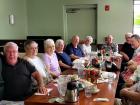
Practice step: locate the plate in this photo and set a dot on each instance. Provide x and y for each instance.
(106, 75)
(95, 91)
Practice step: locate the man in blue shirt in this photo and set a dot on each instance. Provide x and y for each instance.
(73, 49)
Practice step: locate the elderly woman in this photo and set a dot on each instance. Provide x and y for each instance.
(86, 47)
(31, 51)
(63, 58)
(50, 58)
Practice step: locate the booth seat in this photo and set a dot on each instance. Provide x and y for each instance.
(22, 54)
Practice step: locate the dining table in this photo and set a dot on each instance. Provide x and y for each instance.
(107, 90)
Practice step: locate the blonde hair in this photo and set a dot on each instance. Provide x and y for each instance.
(10, 44)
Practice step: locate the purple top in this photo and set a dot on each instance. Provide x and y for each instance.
(52, 63)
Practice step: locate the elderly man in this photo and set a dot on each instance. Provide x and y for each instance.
(17, 75)
(135, 43)
(130, 96)
(1, 81)
(73, 49)
(109, 46)
(127, 50)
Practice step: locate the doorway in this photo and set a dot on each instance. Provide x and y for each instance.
(81, 20)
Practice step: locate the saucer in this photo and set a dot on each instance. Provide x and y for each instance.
(95, 91)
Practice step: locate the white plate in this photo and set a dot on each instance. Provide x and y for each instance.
(106, 75)
(96, 91)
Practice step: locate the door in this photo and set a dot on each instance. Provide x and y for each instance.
(81, 20)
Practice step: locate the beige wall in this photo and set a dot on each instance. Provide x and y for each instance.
(18, 9)
(46, 17)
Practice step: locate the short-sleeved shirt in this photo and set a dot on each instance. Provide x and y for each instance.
(112, 47)
(1, 80)
(17, 78)
(86, 49)
(70, 49)
(136, 88)
(52, 62)
(127, 49)
(65, 58)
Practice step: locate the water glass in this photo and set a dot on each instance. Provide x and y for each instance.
(110, 78)
(88, 91)
(62, 85)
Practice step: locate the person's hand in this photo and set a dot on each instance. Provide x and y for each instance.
(129, 82)
(132, 67)
(125, 56)
(123, 92)
(42, 89)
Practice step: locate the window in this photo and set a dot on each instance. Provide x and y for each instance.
(136, 29)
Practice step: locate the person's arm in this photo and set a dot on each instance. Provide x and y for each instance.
(73, 57)
(39, 79)
(129, 94)
(125, 56)
(50, 72)
(64, 65)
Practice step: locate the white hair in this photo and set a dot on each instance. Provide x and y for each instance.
(58, 42)
(10, 44)
(48, 42)
(128, 34)
(89, 38)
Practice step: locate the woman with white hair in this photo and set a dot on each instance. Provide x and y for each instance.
(86, 47)
(50, 58)
(63, 58)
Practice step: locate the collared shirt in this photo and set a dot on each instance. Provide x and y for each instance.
(136, 52)
(112, 47)
(52, 63)
(70, 49)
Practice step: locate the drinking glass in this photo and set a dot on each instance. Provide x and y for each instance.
(62, 85)
(88, 91)
(110, 78)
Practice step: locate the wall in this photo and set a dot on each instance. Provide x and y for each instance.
(19, 29)
(46, 17)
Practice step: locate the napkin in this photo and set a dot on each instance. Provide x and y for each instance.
(101, 99)
(48, 90)
(56, 99)
(102, 80)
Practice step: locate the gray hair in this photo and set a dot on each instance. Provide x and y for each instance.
(48, 42)
(28, 43)
(58, 42)
(10, 44)
(136, 36)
